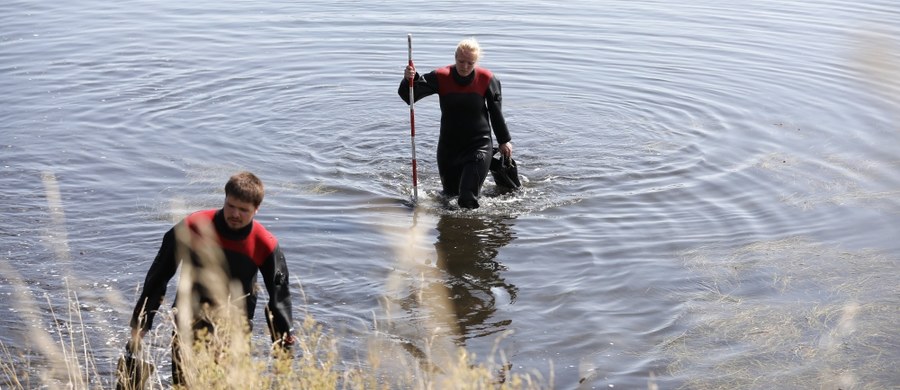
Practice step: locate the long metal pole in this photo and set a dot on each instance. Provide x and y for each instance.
(412, 122)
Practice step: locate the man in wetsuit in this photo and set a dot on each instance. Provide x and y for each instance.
(223, 251)
(470, 106)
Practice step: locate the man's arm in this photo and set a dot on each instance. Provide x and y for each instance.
(154, 290)
(279, 309)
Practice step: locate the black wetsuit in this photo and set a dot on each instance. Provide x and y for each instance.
(470, 108)
(248, 252)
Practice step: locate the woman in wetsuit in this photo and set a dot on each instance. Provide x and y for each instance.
(470, 107)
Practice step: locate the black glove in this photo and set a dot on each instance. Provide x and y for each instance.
(132, 372)
(133, 347)
(128, 376)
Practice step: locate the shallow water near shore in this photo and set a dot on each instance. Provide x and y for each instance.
(711, 191)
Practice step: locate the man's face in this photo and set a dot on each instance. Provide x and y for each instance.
(238, 214)
(465, 62)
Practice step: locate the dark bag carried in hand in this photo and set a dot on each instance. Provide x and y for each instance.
(504, 171)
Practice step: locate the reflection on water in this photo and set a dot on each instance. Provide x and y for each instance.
(437, 300)
(466, 250)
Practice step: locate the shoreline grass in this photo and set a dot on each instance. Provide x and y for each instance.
(229, 360)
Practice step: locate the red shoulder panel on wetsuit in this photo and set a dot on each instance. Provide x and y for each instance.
(257, 246)
(447, 85)
(263, 244)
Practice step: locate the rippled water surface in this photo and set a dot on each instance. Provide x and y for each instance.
(711, 198)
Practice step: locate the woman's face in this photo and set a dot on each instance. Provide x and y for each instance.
(465, 62)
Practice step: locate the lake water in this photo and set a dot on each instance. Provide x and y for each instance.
(711, 198)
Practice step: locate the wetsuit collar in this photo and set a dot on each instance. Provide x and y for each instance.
(460, 79)
(226, 232)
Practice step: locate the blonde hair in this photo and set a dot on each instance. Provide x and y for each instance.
(469, 45)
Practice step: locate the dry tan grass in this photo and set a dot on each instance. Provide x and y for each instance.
(229, 359)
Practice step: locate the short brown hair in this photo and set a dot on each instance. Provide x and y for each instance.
(246, 187)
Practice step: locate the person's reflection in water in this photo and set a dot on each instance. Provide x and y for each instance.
(466, 248)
